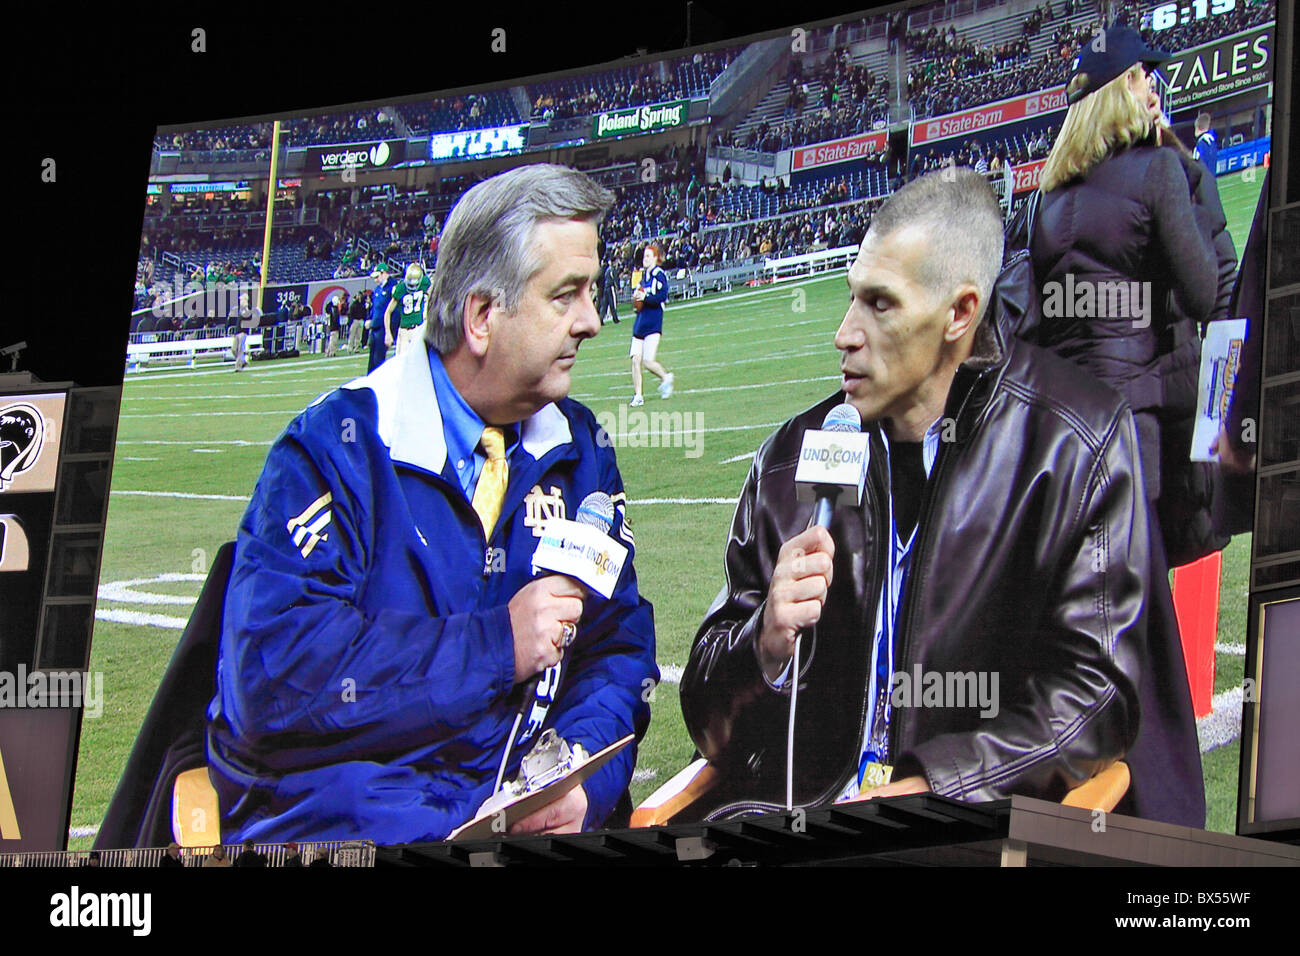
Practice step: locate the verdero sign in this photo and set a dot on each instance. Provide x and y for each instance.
(837, 151)
(984, 117)
(373, 155)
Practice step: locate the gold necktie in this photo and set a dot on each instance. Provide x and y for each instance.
(491, 488)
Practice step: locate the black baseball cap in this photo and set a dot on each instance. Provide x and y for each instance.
(1108, 54)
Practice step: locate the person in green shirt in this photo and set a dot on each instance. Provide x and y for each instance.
(408, 301)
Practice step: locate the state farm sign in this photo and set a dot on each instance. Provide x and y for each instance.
(838, 151)
(984, 117)
(1027, 176)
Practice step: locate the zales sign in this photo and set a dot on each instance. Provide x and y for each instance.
(1215, 70)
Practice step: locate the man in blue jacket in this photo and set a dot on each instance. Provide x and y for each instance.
(382, 620)
(384, 286)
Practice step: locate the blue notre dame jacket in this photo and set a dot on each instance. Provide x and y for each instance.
(365, 683)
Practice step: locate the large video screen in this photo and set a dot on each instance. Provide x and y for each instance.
(544, 562)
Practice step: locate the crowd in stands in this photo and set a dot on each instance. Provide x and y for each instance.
(354, 232)
(626, 87)
(470, 111)
(963, 57)
(231, 137)
(852, 99)
(157, 296)
(807, 232)
(201, 226)
(698, 233)
(341, 128)
(990, 156)
(948, 73)
(719, 246)
(934, 90)
(305, 131)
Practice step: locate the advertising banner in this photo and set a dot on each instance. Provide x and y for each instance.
(985, 117)
(276, 297)
(1219, 69)
(374, 154)
(642, 119)
(838, 150)
(1243, 155)
(319, 293)
(1027, 175)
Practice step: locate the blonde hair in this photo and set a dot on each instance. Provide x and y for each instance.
(1103, 122)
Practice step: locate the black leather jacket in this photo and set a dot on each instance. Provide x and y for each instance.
(1030, 560)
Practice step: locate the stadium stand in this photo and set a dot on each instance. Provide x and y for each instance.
(824, 95)
(683, 78)
(207, 145)
(452, 114)
(342, 127)
(989, 152)
(226, 138)
(698, 226)
(951, 70)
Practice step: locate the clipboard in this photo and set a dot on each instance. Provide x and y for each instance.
(480, 828)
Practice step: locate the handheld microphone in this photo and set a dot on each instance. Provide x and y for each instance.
(833, 462)
(597, 510)
(580, 549)
(832, 470)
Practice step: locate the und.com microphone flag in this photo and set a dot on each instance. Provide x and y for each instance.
(833, 460)
(583, 549)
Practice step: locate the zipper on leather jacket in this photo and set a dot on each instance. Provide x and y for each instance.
(916, 566)
(746, 807)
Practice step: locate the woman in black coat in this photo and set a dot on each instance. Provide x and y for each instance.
(1127, 274)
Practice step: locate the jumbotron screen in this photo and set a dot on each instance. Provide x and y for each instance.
(701, 469)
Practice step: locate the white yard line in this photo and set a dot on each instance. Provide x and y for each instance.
(1223, 724)
(211, 441)
(261, 412)
(683, 501)
(141, 618)
(670, 673)
(181, 494)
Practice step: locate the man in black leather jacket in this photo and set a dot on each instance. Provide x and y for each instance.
(1025, 559)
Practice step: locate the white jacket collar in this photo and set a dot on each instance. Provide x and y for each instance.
(410, 423)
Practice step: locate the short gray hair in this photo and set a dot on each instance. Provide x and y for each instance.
(486, 247)
(962, 220)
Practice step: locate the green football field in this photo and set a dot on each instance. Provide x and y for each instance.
(191, 444)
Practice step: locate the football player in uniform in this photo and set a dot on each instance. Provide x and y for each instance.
(409, 300)
(648, 300)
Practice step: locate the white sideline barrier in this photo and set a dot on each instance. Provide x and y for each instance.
(796, 267)
(177, 348)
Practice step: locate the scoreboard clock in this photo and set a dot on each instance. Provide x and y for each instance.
(1169, 15)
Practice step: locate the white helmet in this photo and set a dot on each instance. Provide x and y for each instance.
(414, 273)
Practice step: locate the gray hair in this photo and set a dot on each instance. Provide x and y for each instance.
(486, 248)
(962, 220)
